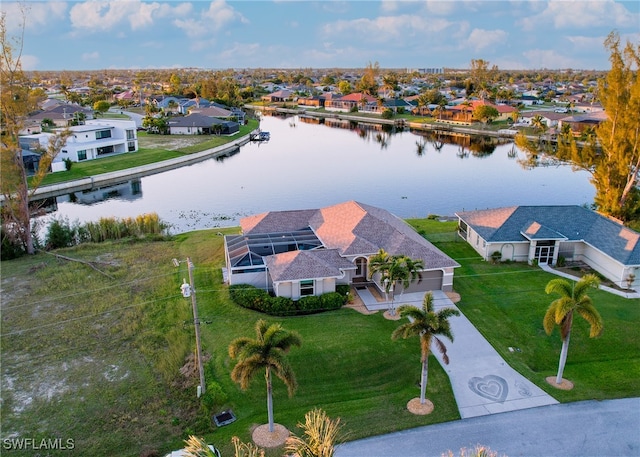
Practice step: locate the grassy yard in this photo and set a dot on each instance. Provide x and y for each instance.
(95, 357)
(153, 148)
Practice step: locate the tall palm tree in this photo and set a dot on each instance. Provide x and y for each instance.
(320, 436)
(268, 352)
(394, 270)
(426, 323)
(573, 298)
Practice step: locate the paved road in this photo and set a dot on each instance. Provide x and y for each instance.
(608, 428)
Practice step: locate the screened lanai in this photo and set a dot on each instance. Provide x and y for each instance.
(246, 251)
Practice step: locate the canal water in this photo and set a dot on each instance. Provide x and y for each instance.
(310, 165)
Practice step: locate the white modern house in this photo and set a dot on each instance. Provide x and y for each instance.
(543, 234)
(96, 138)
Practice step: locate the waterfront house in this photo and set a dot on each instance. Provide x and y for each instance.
(96, 138)
(545, 234)
(357, 100)
(199, 124)
(308, 252)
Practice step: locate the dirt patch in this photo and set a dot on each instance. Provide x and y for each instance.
(564, 385)
(421, 409)
(453, 296)
(392, 316)
(264, 438)
(170, 142)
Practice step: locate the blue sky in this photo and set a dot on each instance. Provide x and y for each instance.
(132, 34)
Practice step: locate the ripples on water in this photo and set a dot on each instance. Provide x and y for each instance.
(307, 165)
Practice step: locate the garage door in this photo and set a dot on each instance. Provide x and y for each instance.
(428, 280)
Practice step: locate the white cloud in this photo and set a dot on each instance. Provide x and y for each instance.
(549, 58)
(389, 6)
(480, 39)
(216, 17)
(95, 55)
(581, 14)
(29, 62)
(385, 28)
(220, 13)
(103, 15)
(37, 14)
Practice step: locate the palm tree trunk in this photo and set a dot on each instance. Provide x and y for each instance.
(269, 399)
(563, 358)
(423, 380)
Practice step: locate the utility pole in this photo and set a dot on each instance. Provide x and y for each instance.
(190, 291)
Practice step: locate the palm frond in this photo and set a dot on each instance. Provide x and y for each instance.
(590, 314)
(443, 350)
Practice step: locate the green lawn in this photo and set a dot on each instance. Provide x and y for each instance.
(156, 152)
(96, 358)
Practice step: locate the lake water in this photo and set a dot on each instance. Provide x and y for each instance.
(306, 165)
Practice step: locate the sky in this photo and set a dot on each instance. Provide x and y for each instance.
(222, 34)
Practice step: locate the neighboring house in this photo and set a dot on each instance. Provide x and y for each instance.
(543, 234)
(550, 118)
(581, 123)
(282, 95)
(357, 100)
(96, 138)
(199, 124)
(395, 104)
(308, 252)
(62, 114)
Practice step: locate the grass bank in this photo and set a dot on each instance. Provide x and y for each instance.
(95, 355)
(153, 149)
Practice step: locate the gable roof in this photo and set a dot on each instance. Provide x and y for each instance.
(314, 264)
(570, 223)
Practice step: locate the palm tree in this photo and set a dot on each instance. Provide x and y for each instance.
(426, 323)
(394, 269)
(267, 351)
(320, 436)
(573, 298)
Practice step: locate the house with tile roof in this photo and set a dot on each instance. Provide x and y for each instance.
(308, 252)
(543, 234)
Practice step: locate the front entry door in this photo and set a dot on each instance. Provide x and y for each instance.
(544, 254)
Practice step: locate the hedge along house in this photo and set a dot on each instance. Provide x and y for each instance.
(308, 252)
(544, 234)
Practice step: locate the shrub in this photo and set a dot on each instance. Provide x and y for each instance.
(68, 164)
(343, 289)
(11, 247)
(387, 113)
(60, 234)
(309, 303)
(332, 300)
(496, 256)
(561, 262)
(251, 297)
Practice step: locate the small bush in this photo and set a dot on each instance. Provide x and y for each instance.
(496, 256)
(309, 303)
(68, 164)
(343, 289)
(11, 247)
(60, 234)
(332, 300)
(387, 114)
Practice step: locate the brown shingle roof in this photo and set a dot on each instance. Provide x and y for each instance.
(298, 265)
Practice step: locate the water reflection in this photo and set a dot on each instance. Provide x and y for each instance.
(308, 164)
